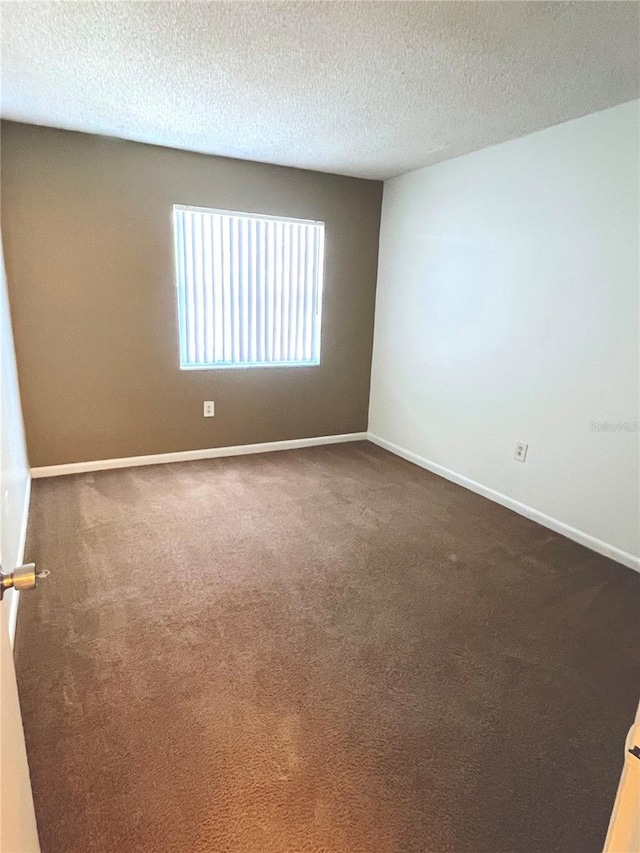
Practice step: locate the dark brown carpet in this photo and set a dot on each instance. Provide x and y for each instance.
(318, 650)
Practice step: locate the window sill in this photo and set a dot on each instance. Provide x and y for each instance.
(245, 364)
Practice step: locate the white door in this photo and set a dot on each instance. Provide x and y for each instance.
(624, 828)
(18, 833)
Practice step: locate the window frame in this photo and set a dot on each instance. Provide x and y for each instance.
(180, 289)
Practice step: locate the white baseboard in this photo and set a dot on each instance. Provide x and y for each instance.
(624, 557)
(614, 553)
(15, 597)
(189, 455)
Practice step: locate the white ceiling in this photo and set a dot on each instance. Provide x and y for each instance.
(370, 89)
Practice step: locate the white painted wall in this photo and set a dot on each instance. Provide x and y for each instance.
(14, 467)
(507, 309)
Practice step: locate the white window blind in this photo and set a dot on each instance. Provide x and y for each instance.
(249, 288)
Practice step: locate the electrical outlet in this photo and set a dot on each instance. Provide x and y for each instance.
(209, 408)
(521, 451)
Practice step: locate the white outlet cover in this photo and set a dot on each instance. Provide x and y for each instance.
(521, 451)
(209, 409)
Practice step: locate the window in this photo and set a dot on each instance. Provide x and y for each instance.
(249, 288)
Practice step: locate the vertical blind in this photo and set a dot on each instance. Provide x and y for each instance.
(249, 288)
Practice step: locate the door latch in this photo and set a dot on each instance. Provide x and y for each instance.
(24, 577)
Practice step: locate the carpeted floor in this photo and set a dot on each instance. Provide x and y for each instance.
(327, 649)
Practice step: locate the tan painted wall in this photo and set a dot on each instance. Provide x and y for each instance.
(86, 223)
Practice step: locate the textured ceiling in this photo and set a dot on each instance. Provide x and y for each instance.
(370, 89)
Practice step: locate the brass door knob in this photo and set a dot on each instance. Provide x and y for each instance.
(24, 577)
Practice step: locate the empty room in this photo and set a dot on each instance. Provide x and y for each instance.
(320, 522)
